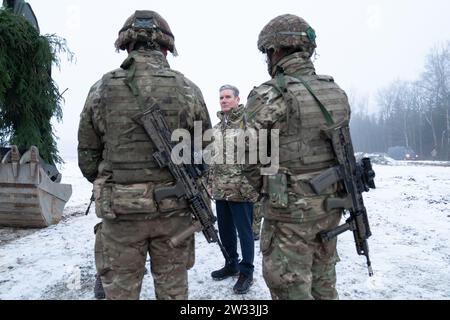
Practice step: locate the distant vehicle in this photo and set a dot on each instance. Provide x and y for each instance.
(402, 153)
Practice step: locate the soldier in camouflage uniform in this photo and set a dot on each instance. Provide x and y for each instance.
(233, 194)
(296, 265)
(116, 155)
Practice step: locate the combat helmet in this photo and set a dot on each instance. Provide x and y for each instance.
(149, 27)
(287, 32)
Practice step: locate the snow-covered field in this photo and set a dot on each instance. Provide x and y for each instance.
(409, 214)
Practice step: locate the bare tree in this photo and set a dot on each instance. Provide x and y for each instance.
(436, 82)
(411, 114)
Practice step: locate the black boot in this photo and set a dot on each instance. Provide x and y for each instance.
(243, 284)
(224, 273)
(99, 292)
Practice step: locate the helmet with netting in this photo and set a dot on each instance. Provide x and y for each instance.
(287, 32)
(146, 27)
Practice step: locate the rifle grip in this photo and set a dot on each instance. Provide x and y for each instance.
(178, 239)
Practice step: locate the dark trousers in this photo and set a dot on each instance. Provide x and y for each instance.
(232, 216)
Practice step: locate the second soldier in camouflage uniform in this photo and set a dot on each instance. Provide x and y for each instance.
(116, 154)
(296, 265)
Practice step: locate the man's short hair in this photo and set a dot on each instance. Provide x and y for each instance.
(230, 87)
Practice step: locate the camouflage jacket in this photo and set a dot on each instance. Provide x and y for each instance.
(114, 150)
(225, 177)
(286, 105)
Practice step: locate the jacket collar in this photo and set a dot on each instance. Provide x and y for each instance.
(152, 57)
(232, 115)
(296, 64)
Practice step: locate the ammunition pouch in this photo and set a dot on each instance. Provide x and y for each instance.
(133, 202)
(102, 193)
(133, 199)
(302, 186)
(277, 190)
(291, 199)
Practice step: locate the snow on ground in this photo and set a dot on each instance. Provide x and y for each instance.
(410, 248)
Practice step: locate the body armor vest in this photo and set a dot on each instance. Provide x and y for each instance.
(128, 148)
(302, 148)
(304, 152)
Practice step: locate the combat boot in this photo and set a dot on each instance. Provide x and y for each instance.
(224, 273)
(99, 292)
(243, 284)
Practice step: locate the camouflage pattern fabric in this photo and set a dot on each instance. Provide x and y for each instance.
(121, 249)
(117, 156)
(160, 33)
(124, 152)
(288, 31)
(257, 217)
(226, 180)
(295, 265)
(90, 146)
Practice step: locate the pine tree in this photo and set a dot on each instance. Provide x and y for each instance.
(29, 98)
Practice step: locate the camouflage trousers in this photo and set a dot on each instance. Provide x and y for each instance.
(296, 266)
(257, 217)
(121, 249)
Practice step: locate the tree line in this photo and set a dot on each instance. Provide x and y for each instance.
(414, 114)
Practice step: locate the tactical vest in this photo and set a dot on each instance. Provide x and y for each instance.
(304, 152)
(128, 148)
(302, 148)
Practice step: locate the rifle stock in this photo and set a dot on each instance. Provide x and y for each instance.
(178, 239)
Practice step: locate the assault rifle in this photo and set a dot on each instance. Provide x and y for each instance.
(187, 179)
(356, 178)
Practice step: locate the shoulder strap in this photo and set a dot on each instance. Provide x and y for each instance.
(324, 110)
(291, 102)
(130, 81)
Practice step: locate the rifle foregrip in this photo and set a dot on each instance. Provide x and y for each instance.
(178, 239)
(327, 236)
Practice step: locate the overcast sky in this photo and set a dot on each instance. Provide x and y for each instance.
(363, 44)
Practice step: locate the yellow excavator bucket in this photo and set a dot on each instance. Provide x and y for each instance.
(28, 197)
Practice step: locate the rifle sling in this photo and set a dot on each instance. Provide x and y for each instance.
(324, 110)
